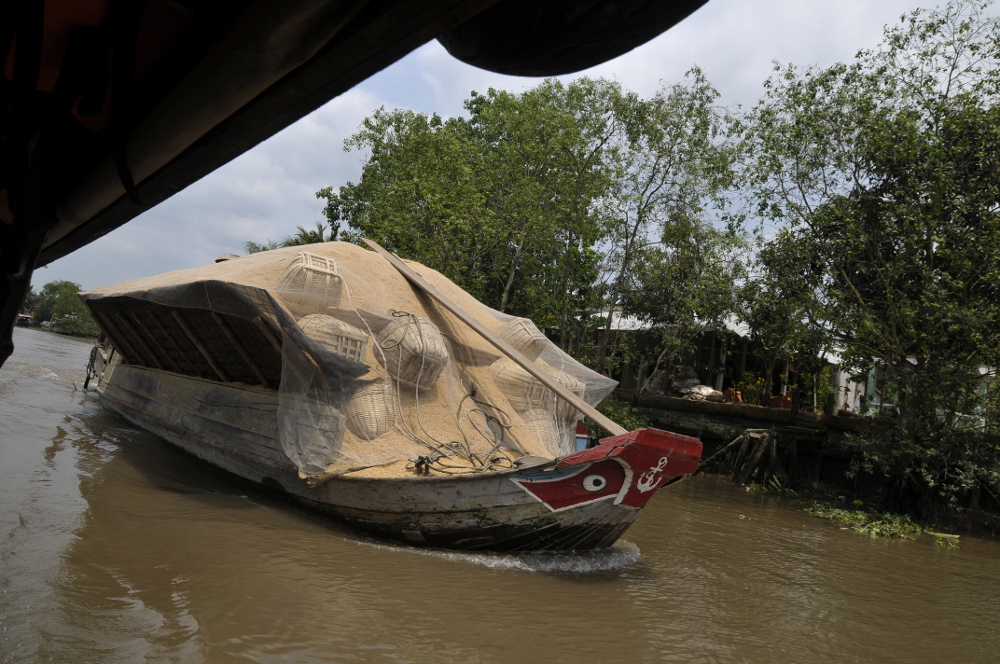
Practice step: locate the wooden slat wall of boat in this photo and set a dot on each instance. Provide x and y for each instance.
(111, 331)
(258, 346)
(172, 348)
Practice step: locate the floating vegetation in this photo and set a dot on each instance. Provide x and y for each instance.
(944, 539)
(878, 525)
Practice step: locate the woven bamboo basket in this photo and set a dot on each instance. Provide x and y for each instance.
(563, 410)
(526, 393)
(310, 284)
(370, 410)
(412, 351)
(540, 422)
(335, 335)
(523, 335)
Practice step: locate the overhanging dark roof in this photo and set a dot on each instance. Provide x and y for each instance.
(108, 107)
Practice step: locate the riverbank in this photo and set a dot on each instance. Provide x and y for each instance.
(807, 450)
(74, 337)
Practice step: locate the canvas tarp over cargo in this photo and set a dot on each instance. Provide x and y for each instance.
(369, 370)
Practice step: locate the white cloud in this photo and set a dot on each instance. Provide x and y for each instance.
(267, 192)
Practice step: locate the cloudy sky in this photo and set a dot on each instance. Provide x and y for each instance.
(267, 192)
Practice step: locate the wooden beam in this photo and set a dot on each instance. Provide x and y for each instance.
(104, 333)
(259, 322)
(118, 339)
(240, 349)
(201, 348)
(142, 342)
(159, 346)
(501, 345)
(173, 342)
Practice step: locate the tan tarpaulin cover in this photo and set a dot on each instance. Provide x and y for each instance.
(337, 414)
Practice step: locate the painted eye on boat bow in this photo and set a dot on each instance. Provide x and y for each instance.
(562, 489)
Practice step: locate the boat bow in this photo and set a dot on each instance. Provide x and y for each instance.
(628, 469)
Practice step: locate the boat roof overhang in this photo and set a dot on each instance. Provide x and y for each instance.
(109, 107)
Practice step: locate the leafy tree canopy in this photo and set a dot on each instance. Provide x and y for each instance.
(883, 179)
(546, 203)
(57, 301)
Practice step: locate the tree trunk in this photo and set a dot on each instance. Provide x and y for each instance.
(768, 381)
(510, 278)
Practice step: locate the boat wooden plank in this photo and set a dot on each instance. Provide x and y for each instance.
(173, 342)
(118, 339)
(504, 527)
(221, 435)
(200, 346)
(147, 352)
(156, 342)
(224, 326)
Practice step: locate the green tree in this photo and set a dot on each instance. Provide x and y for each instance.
(252, 247)
(502, 202)
(667, 262)
(685, 284)
(884, 176)
(418, 195)
(302, 236)
(777, 301)
(57, 301)
(30, 298)
(545, 203)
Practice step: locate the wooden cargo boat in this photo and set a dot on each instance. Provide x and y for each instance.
(212, 377)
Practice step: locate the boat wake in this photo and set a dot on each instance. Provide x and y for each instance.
(622, 555)
(42, 372)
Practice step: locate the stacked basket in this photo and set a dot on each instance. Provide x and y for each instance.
(546, 414)
(310, 284)
(525, 392)
(371, 410)
(523, 335)
(335, 335)
(412, 351)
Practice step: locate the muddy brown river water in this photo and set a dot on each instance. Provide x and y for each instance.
(114, 547)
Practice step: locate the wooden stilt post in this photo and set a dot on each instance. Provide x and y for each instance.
(761, 443)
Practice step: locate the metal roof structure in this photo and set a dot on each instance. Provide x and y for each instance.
(109, 107)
